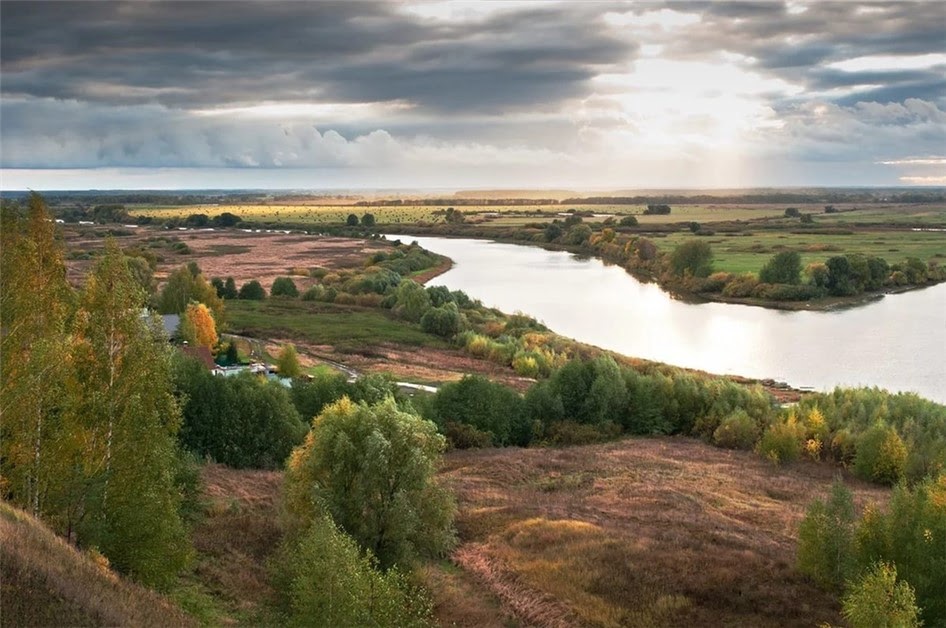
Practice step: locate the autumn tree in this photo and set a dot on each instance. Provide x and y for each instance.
(188, 284)
(371, 468)
(198, 327)
(123, 419)
(35, 303)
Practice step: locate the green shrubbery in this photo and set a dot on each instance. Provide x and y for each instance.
(879, 552)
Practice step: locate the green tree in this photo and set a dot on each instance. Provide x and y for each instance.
(187, 284)
(288, 361)
(412, 301)
(121, 406)
(252, 291)
(911, 534)
(784, 267)
(825, 539)
(628, 221)
(878, 600)
(241, 421)
(284, 287)
(35, 302)
(352, 220)
(881, 455)
(331, 583)
(372, 469)
(485, 405)
(443, 321)
(367, 220)
(693, 257)
(230, 289)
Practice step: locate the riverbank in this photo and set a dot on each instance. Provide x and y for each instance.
(823, 304)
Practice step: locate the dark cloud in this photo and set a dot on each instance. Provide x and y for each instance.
(191, 54)
(796, 46)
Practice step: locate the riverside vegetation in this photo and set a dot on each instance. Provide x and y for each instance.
(118, 472)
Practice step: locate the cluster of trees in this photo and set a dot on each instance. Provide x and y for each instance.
(690, 267)
(657, 210)
(889, 564)
(89, 422)
(367, 220)
(588, 401)
(363, 506)
(241, 421)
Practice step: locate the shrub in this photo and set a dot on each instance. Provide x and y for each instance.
(253, 291)
(570, 433)
(737, 431)
(881, 455)
(444, 321)
(487, 406)
(315, 293)
(284, 287)
(693, 257)
(825, 539)
(784, 267)
(331, 582)
(878, 599)
(782, 441)
(464, 436)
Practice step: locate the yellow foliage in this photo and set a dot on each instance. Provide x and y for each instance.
(199, 328)
(813, 448)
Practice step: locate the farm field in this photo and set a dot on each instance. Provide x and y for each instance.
(748, 251)
(505, 214)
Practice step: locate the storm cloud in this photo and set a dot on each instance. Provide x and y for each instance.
(592, 91)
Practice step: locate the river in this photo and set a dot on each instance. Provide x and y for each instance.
(897, 342)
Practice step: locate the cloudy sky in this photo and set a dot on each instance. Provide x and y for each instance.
(448, 94)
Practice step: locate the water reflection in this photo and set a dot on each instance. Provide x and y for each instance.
(898, 342)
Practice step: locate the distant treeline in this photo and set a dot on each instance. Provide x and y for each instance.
(202, 197)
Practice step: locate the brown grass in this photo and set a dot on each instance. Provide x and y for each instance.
(234, 540)
(243, 256)
(644, 532)
(44, 581)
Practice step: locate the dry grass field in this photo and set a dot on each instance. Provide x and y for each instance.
(643, 532)
(44, 581)
(640, 532)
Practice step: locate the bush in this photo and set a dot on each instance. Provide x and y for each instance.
(693, 257)
(737, 431)
(252, 291)
(878, 599)
(782, 441)
(571, 433)
(825, 539)
(784, 267)
(628, 221)
(463, 436)
(485, 405)
(284, 287)
(881, 455)
(315, 293)
(444, 321)
(741, 286)
(331, 582)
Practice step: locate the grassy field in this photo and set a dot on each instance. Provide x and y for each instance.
(504, 214)
(347, 328)
(642, 532)
(749, 251)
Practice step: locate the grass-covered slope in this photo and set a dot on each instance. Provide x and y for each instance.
(44, 581)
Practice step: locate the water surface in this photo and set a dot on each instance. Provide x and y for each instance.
(898, 342)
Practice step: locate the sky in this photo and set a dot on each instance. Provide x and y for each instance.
(458, 94)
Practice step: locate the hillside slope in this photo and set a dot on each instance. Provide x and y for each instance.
(640, 532)
(44, 581)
